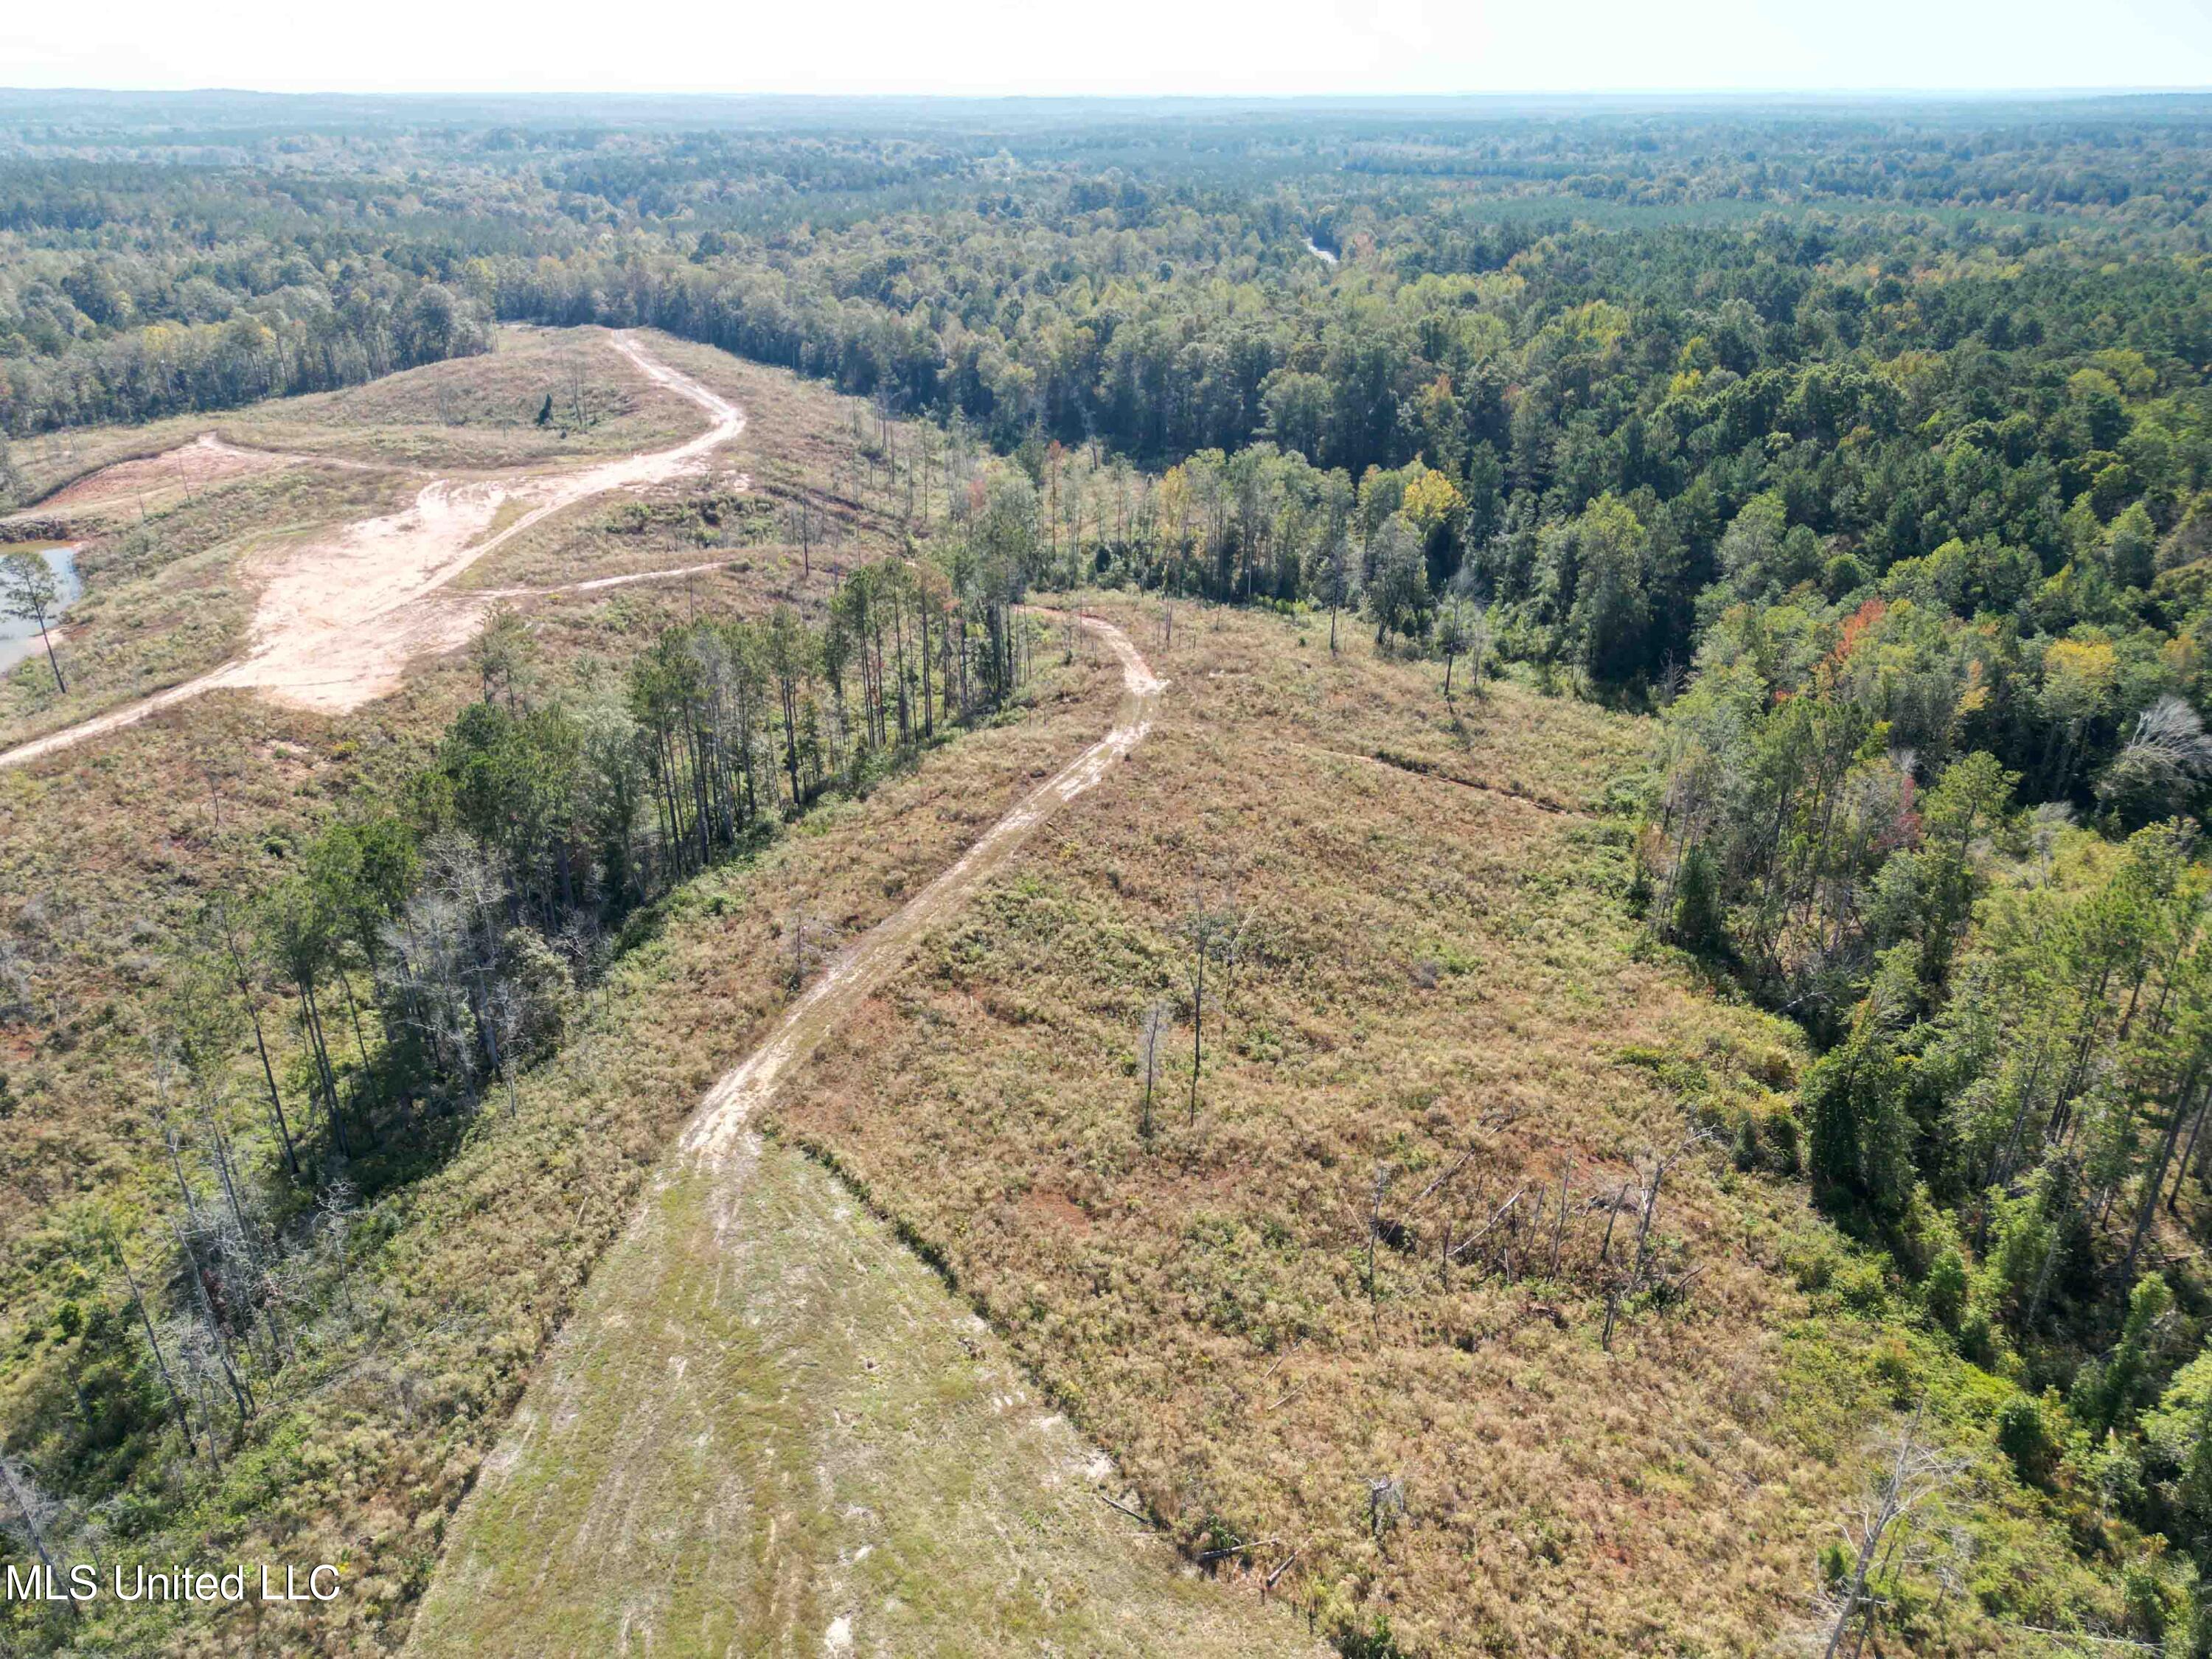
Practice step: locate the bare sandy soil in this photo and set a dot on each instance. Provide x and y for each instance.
(199, 465)
(597, 584)
(340, 617)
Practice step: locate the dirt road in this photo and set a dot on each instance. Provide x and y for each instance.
(856, 972)
(768, 1428)
(341, 617)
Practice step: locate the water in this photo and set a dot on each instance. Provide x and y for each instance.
(19, 639)
(1325, 255)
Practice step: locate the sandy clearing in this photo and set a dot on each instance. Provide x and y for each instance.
(597, 584)
(340, 617)
(205, 461)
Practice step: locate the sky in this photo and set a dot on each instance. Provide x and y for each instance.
(1033, 47)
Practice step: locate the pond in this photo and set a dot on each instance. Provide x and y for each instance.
(19, 639)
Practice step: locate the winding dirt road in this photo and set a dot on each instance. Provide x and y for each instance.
(856, 972)
(761, 1390)
(341, 617)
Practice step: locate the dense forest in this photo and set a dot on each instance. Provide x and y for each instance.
(1867, 449)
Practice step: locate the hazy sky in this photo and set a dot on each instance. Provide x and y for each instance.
(1036, 46)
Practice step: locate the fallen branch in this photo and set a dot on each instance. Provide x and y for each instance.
(1237, 1549)
(1519, 1193)
(1134, 1515)
(1466, 1158)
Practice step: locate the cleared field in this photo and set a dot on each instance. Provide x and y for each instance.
(1438, 982)
(183, 550)
(1435, 977)
(473, 414)
(1347, 1262)
(738, 1332)
(106, 858)
(105, 854)
(340, 611)
(821, 1451)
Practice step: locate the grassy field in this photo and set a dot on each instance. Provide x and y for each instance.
(474, 413)
(1441, 984)
(821, 1446)
(1440, 973)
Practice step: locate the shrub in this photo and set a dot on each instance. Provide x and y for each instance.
(2024, 1435)
(1697, 919)
(1946, 1290)
(2147, 1597)
(1895, 1369)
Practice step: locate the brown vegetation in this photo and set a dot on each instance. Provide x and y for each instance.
(1435, 981)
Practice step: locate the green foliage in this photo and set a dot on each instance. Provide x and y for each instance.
(1697, 921)
(1947, 1288)
(2108, 1394)
(1860, 1146)
(2024, 1434)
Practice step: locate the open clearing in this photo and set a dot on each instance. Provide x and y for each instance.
(768, 1425)
(340, 617)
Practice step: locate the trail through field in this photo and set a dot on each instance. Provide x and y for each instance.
(597, 584)
(768, 1427)
(340, 617)
(855, 975)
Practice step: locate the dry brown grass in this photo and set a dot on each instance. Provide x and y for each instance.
(1429, 954)
(474, 413)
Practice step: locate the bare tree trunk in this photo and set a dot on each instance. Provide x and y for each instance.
(160, 1361)
(26, 1508)
(1374, 1232)
(2156, 1183)
(1560, 1225)
(1197, 1030)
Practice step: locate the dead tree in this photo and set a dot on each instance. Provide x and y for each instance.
(1913, 1474)
(1640, 1259)
(802, 525)
(163, 1059)
(1149, 1044)
(216, 1337)
(161, 1360)
(1385, 1505)
(575, 380)
(35, 1517)
(1560, 1225)
(1205, 929)
(812, 939)
(1374, 1232)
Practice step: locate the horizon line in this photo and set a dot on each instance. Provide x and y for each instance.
(1571, 94)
